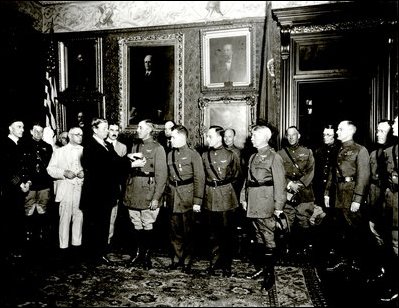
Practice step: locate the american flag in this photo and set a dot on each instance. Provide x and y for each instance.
(50, 86)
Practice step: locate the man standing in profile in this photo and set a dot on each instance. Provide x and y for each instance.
(144, 189)
(220, 204)
(100, 190)
(352, 172)
(263, 196)
(299, 167)
(186, 183)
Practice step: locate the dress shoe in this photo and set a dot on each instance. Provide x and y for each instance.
(389, 295)
(147, 264)
(134, 261)
(255, 275)
(104, 260)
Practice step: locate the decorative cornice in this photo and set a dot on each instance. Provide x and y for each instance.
(343, 26)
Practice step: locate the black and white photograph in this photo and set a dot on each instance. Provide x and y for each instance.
(199, 153)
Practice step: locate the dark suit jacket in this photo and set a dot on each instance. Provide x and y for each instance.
(102, 169)
(11, 173)
(236, 73)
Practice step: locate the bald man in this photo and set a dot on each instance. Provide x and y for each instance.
(263, 196)
(351, 172)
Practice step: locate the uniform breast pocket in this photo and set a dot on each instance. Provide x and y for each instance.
(302, 160)
(262, 168)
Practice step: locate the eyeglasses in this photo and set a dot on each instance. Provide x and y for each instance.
(78, 134)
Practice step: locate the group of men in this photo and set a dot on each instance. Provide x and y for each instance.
(275, 189)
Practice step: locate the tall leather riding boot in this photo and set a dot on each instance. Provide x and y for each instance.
(43, 227)
(268, 270)
(29, 228)
(147, 244)
(258, 261)
(137, 256)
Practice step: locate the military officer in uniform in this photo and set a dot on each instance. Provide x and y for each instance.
(352, 172)
(264, 195)
(221, 169)
(144, 189)
(186, 183)
(390, 216)
(378, 184)
(299, 166)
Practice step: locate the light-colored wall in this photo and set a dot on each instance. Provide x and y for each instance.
(106, 15)
(77, 16)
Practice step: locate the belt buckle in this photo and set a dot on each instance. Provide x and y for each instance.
(348, 179)
(215, 184)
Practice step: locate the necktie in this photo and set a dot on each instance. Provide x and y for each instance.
(109, 146)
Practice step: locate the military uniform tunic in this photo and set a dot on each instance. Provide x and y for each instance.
(352, 173)
(264, 191)
(377, 185)
(184, 164)
(391, 193)
(147, 183)
(221, 169)
(304, 159)
(186, 188)
(220, 197)
(265, 166)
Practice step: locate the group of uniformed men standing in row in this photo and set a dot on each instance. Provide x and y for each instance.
(274, 188)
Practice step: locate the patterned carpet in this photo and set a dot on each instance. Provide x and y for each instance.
(80, 285)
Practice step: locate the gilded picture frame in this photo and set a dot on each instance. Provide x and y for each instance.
(167, 54)
(237, 112)
(228, 59)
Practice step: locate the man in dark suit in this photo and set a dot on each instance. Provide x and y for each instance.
(101, 165)
(147, 103)
(14, 185)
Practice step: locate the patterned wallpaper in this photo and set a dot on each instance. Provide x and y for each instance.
(106, 15)
(192, 74)
(130, 17)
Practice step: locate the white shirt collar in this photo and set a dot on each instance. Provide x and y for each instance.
(99, 140)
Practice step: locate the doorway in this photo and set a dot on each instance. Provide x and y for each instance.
(322, 103)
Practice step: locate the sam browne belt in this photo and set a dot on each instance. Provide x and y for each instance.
(180, 183)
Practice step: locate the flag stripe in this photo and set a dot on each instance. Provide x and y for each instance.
(50, 85)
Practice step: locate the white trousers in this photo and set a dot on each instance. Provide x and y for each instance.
(69, 210)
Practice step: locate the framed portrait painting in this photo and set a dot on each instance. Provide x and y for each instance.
(81, 65)
(236, 112)
(151, 79)
(227, 58)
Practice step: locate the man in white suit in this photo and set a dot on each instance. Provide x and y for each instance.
(121, 150)
(65, 166)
